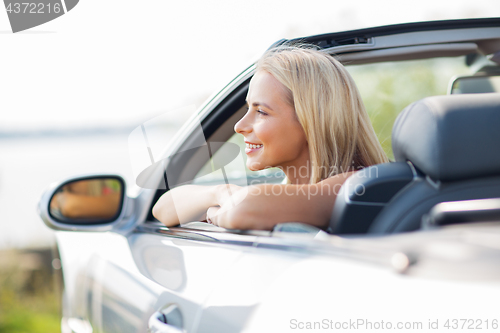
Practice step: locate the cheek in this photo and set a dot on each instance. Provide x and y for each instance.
(283, 140)
(290, 136)
(265, 131)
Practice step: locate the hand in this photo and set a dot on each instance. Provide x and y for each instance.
(224, 195)
(211, 213)
(223, 214)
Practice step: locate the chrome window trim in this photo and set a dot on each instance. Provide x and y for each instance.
(284, 241)
(363, 249)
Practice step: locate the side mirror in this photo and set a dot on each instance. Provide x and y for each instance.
(90, 203)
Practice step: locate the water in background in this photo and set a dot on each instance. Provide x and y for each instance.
(28, 165)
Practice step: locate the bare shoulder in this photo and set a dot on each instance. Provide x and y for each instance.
(337, 179)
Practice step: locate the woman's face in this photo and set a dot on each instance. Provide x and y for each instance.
(273, 134)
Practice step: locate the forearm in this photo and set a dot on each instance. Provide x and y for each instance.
(263, 206)
(184, 204)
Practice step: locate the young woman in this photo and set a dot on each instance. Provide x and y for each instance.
(305, 116)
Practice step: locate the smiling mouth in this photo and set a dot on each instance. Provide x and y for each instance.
(250, 148)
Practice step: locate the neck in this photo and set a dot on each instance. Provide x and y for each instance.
(298, 174)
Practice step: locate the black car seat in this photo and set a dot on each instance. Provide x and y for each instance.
(447, 148)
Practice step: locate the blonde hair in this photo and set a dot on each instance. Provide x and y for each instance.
(329, 107)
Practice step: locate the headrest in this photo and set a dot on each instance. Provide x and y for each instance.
(450, 137)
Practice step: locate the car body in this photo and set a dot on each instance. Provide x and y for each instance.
(129, 273)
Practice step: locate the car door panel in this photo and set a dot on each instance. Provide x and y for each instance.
(128, 278)
(110, 292)
(182, 266)
(238, 294)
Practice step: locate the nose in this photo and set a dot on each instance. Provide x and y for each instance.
(244, 125)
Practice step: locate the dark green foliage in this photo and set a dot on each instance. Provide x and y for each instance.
(387, 88)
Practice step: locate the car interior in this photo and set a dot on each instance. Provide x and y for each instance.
(444, 147)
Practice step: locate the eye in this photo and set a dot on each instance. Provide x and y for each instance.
(262, 112)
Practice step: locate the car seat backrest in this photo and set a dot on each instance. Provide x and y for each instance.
(365, 194)
(450, 138)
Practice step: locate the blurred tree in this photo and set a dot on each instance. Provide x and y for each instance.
(387, 88)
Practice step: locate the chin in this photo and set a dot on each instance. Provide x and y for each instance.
(254, 166)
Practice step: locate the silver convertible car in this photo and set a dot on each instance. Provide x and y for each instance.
(413, 244)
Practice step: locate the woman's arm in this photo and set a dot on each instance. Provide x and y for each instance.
(190, 202)
(264, 206)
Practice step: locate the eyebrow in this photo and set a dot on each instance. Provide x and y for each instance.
(259, 103)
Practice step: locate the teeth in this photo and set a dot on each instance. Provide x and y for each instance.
(251, 146)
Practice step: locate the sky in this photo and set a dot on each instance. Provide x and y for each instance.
(118, 63)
